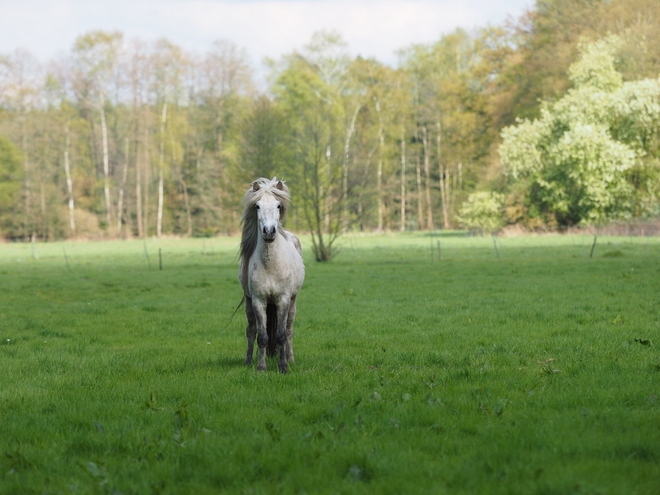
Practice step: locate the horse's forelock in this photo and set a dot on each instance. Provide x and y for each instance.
(274, 187)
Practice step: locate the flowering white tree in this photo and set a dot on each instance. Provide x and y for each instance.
(583, 157)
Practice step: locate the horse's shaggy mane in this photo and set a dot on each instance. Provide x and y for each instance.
(257, 190)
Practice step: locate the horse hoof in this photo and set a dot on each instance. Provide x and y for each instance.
(284, 369)
(261, 368)
(248, 362)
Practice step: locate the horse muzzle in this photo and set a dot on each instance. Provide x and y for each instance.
(269, 234)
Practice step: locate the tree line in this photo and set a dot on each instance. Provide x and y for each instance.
(125, 138)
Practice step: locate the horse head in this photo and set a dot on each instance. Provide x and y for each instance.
(269, 211)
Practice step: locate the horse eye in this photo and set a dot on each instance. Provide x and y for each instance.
(279, 206)
(256, 206)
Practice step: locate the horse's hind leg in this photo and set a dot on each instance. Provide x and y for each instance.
(289, 331)
(250, 330)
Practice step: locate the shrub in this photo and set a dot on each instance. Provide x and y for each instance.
(482, 211)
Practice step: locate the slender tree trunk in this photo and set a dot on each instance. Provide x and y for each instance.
(44, 217)
(403, 182)
(159, 220)
(347, 145)
(138, 188)
(69, 182)
(420, 198)
(137, 114)
(427, 174)
(443, 183)
(147, 175)
(360, 212)
(379, 171)
(106, 162)
(120, 201)
(159, 213)
(29, 229)
(449, 194)
(314, 213)
(327, 199)
(186, 201)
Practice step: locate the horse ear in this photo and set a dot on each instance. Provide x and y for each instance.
(280, 185)
(255, 186)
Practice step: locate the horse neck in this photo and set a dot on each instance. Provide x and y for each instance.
(270, 253)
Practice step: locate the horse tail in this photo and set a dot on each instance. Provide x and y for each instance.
(231, 318)
(271, 329)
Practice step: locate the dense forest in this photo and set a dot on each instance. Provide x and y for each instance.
(547, 121)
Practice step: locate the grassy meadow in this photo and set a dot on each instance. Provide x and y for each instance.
(418, 370)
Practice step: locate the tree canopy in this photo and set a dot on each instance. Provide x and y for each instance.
(578, 157)
(554, 117)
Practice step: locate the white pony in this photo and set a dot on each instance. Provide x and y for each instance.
(271, 272)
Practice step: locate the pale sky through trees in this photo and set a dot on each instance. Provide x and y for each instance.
(265, 28)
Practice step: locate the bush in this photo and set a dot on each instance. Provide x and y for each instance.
(11, 176)
(482, 211)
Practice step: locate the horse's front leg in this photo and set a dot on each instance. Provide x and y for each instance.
(259, 308)
(250, 330)
(283, 307)
(289, 331)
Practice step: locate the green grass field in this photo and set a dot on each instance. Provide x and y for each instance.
(535, 372)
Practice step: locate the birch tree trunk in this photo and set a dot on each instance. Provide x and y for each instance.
(379, 172)
(28, 186)
(159, 216)
(44, 218)
(69, 182)
(347, 145)
(427, 174)
(420, 197)
(146, 173)
(449, 194)
(403, 182)
(159, 221)
(443, 183)
(327, 198)
(138, 189)
(137, 104)
(106, 159)
(120, 201)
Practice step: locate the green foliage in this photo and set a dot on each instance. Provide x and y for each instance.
(448, 84)
(482, 211)
(595, 67)
(367, 146)
(308, 92)
(580, 151)
(534, 373)
(11, 172)
(11, 177)
(95, 56)
(263, 145)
